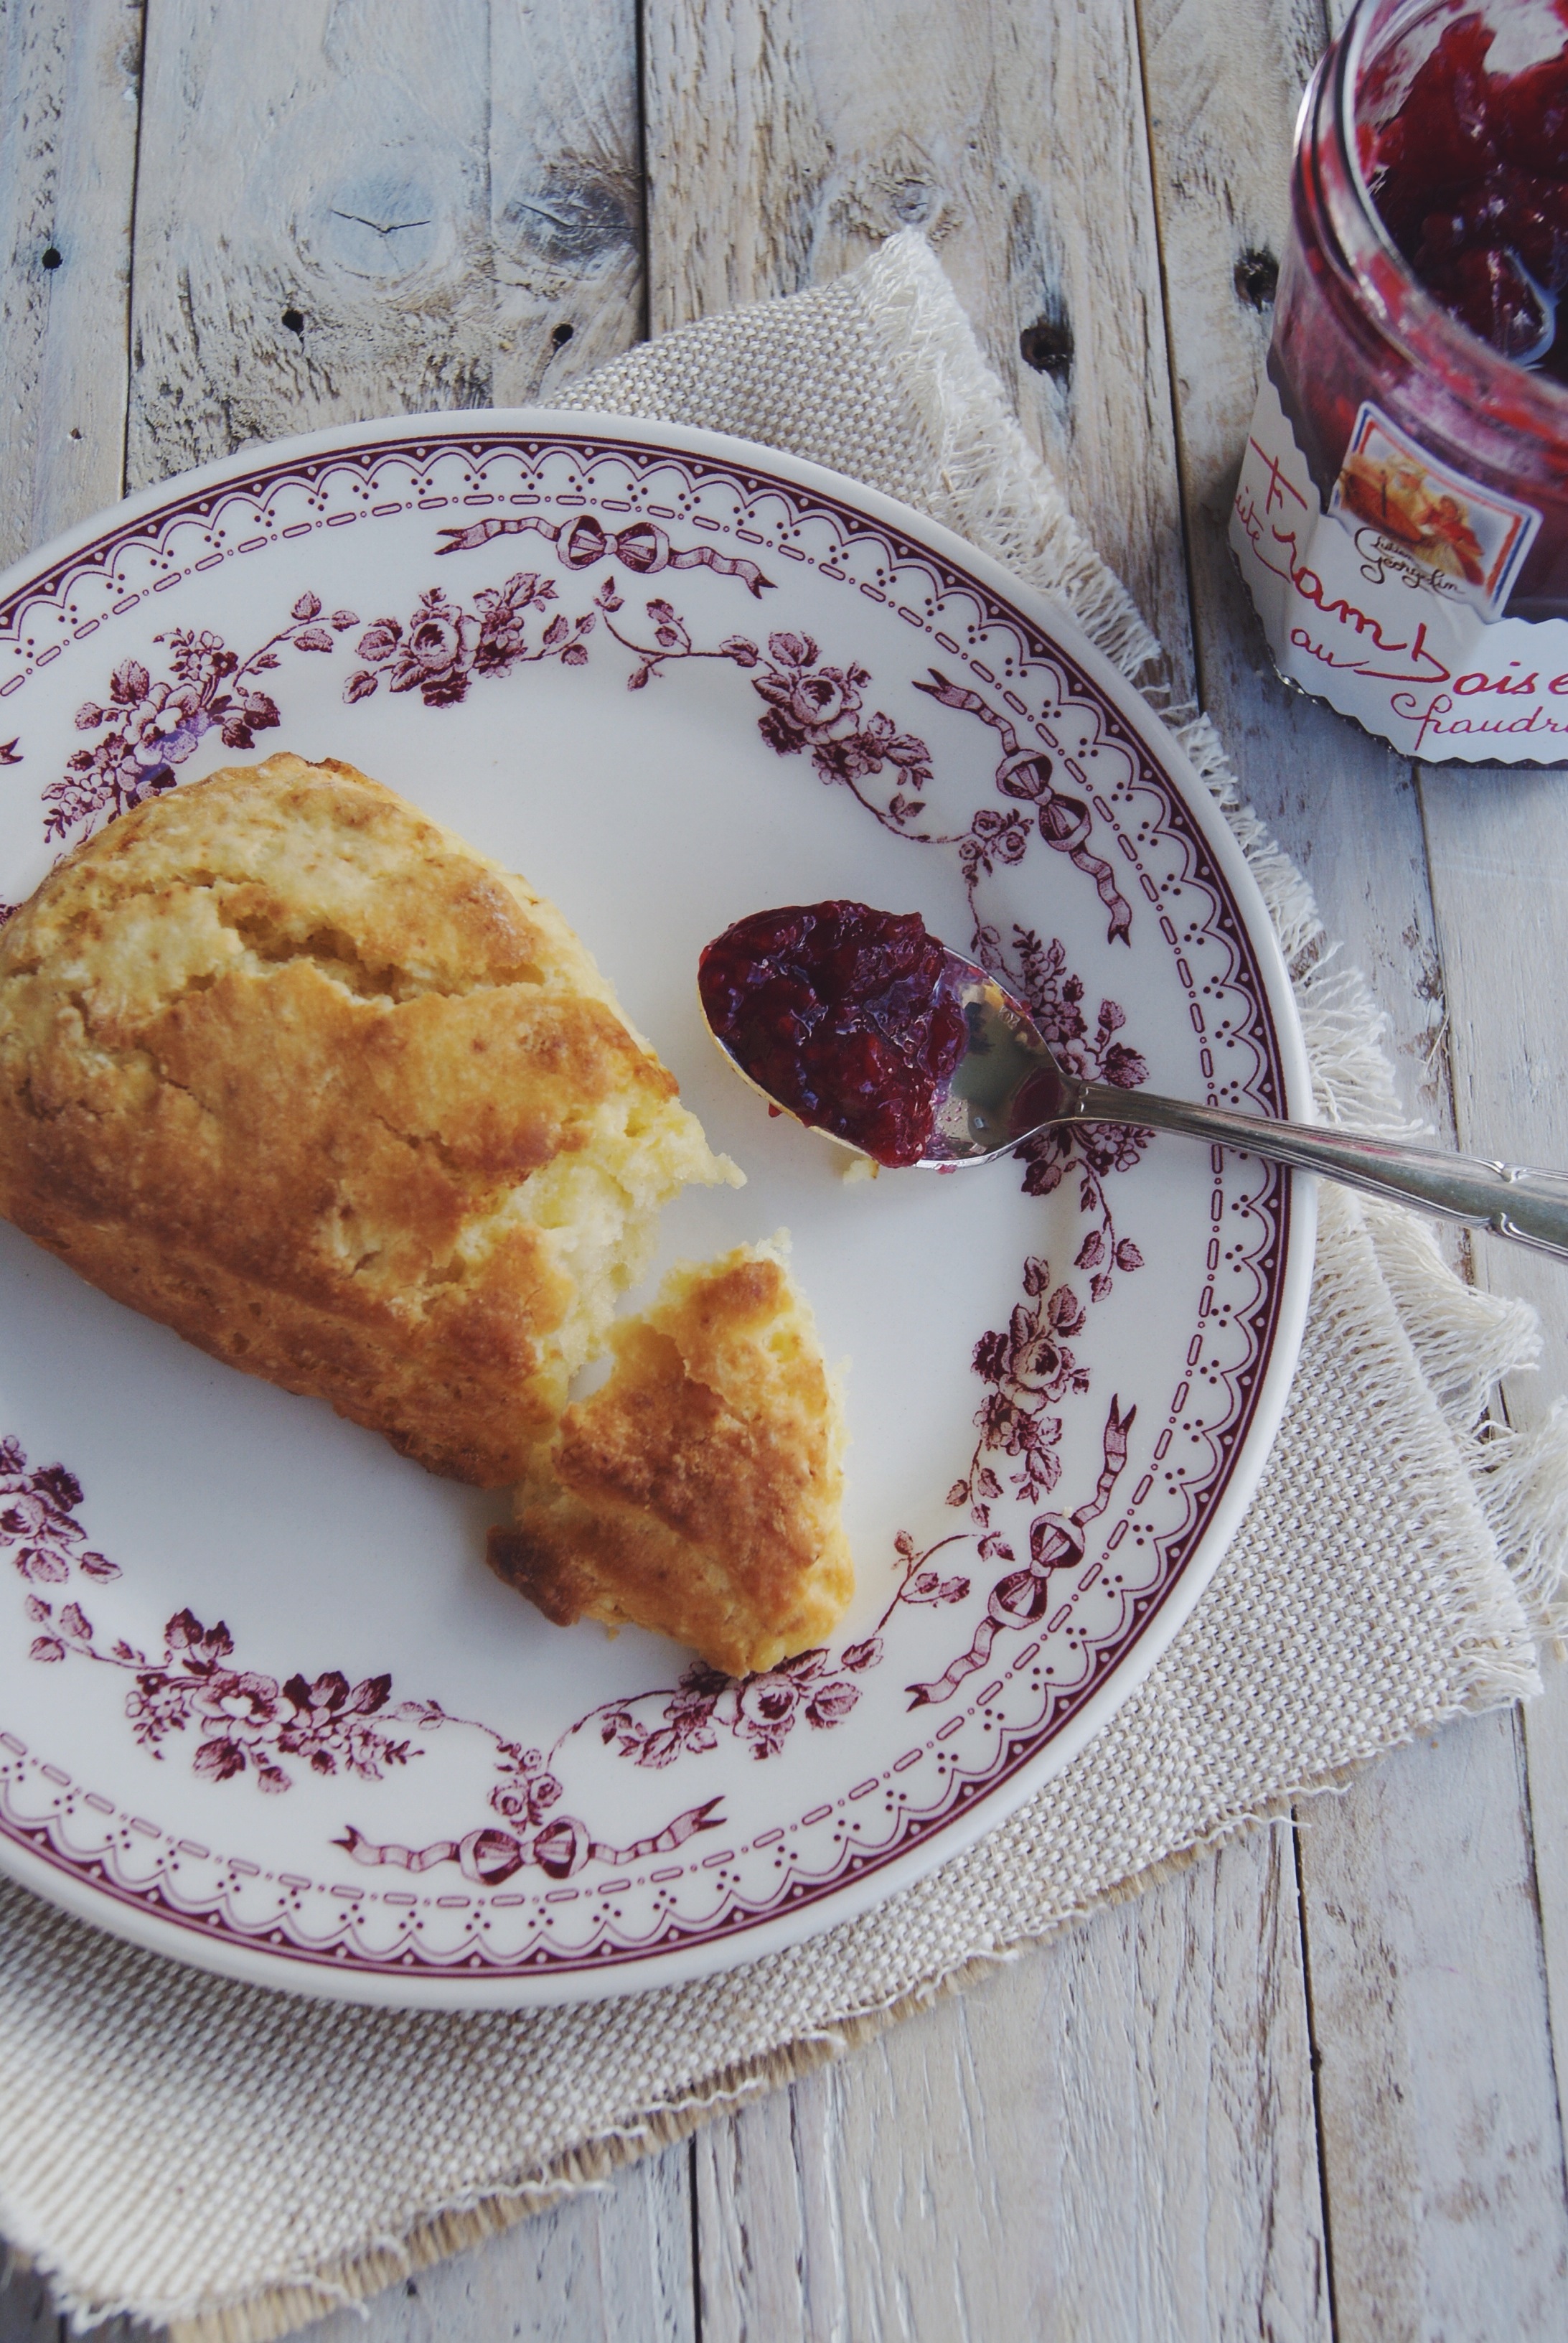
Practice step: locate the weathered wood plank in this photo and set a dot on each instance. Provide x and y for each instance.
(566, 191)
(69, 80)
(26, 2313)
(787, 137)
(1112, 2137)
(1421, 1855)
(1544, 1725)
(436, 194)
(1499, 845)
(1498, 839)
(615, 2262)
(1442, 2140)
(69, 76)
(1223, 87)
(376, 208)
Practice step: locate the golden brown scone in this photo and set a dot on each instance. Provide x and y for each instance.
(698, 1491)
(294, 1070)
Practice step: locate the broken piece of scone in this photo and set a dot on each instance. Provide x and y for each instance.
(698, 1491)
(299, 1074)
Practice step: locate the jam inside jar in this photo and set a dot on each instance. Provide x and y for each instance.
(1469, 174)
(1422, 285)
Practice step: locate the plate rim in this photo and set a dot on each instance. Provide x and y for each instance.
(281, 1972)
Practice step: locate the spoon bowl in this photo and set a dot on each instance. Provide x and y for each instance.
(1006, 1085)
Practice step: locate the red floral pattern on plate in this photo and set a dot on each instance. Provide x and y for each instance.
(816, 704)
(247, 1722)
(146, 728)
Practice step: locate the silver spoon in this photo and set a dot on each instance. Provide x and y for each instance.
(1007, 1086)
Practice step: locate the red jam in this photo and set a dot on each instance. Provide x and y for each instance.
(1470, 178)
(838, 1012)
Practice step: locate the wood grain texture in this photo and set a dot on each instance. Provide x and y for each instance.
(68, 176)
(1110, 2138)
(376, 208)
(782, 143)
(521, 121)
(28, 2316)
(787, 137)
(1442, 2140)
(1498, 841)
(26, 2313)
(69, 76)
(614, 2263)
(1432, 2228)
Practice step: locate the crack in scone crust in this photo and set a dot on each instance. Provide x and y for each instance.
(293, 1070)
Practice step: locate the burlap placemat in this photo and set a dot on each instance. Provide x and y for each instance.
(232, 2162)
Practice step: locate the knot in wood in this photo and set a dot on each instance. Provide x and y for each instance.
(571, 223)
(1047, 345)
(1256, 278)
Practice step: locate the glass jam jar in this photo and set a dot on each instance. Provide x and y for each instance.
(1402, 516)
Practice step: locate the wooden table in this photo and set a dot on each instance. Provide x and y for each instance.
(1307, 2088)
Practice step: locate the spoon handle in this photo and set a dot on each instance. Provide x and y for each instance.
(1530, 1206)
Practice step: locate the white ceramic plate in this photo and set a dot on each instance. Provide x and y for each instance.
(261, 1705)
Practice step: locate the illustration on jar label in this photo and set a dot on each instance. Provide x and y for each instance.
(1470, 541)
(1360, 614)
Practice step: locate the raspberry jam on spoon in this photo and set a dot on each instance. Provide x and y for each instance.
(863, 1026)
(842, 1015)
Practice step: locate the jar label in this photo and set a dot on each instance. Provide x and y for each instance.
(1403, 507)
(1385, 605)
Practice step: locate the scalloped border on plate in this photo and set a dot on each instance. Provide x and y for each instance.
(666, 1908)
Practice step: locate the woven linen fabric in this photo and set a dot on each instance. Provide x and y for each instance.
(232, 2162)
